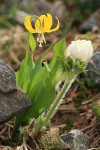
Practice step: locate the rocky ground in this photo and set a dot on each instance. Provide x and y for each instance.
(80, 108)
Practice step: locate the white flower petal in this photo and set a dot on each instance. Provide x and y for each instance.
(80, 49)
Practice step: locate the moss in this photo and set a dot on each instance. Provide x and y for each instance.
(48, 142)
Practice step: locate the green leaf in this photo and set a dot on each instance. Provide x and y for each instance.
(58, 56)
(37, 72)
(59, 50)
(39, 89)
(42, 95)
(32, 42)
(38, 82)
(23, 74)
(19, 74)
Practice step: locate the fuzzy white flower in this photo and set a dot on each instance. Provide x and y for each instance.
(80, 49)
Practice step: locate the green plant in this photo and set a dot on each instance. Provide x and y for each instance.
(83, 87)
(48, 142)
(69, 123)
(96, 109)
(38, 79)
(7, 45)
(4, 23)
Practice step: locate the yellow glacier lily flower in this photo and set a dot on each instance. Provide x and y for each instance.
(42, 25)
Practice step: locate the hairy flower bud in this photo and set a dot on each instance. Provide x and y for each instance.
(80, 49)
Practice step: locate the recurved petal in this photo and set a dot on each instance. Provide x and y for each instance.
(49, 19)
(47, 23)
(57, 27)
(28, 25)
(39, 22)
(42, 24)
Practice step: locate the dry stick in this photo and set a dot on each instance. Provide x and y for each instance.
(8, 124)
(29, 147)
(93, 135)
(60, 126)
(93, 149)
(92, 99)
(90, 126)
(92, 130)
(2, 137)
(67, 109)
(3, 130)
(87, 127)
(97, 139)
(9, 133)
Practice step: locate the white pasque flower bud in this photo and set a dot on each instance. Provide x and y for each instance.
(80, 49)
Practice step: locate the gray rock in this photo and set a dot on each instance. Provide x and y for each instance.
(39, 7)
(20, 16)
(12, 99)
(7, 78)
(92, 21)
(56, 8)
(93, 68)
(12, 104)
(76, 139)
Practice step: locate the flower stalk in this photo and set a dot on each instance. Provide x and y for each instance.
(73, 68)
(41, 122)
(64, 89)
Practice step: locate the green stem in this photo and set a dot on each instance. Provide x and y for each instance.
(44, 121)
(60, 96)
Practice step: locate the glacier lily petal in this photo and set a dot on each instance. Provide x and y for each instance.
(27, 24)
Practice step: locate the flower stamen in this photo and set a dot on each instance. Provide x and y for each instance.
(41, 39)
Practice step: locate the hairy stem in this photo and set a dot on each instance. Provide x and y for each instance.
(65, 87)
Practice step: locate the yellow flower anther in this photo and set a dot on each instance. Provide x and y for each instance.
(42, 25)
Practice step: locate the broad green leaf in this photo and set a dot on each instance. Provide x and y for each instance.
(58, 56)
(42, 95)
(28, 68)
(32, 42)
(45, 97)
(37, 72)
(22, 75)
(39, 87)
(59, 50)
(37, 83)
(37, 76)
